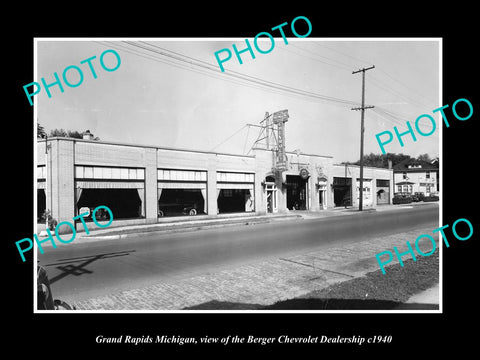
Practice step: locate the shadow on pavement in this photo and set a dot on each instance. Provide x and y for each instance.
(70, 266)
(316, 304)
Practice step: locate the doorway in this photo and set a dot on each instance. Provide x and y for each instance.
(271, 198)
(296, 193)
(322, 197)
(342, 190)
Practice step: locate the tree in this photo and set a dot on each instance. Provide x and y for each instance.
(41, 131)
(58, 133)
(381, 161)
(74, 134)
(424, 157)
(68, 133)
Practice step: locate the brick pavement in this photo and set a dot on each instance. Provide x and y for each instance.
(263, 282)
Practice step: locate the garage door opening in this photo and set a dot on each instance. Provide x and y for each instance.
(296, 193)
(41, 204)
(342, 191)
(124, 203)
(179, 202)
(234, 200)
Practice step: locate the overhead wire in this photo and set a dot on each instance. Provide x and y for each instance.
(407, 87)
(228, 138)
(203, 72)
(376, 82)
(244, 77)
(186, 62)
(341, 53)
(339, 64)
(385, 85)
(393, 118)
(265, 83)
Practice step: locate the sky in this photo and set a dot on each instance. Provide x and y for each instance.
(153, 99)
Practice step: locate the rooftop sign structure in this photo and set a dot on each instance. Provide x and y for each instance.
(272, 137)
(280, 118)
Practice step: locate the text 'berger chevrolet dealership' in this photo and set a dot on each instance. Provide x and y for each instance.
(149, 184)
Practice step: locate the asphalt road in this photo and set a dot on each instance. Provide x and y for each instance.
(92, 269)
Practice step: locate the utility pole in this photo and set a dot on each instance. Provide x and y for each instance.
(362, 129)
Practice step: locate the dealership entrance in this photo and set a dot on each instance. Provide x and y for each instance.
(296, 193)
(322, 192)
(271, 194)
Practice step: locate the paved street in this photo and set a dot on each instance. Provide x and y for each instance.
(216, 261)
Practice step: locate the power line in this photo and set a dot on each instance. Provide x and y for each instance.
(387, 88)
(407, 87)
(381, 70)
(395, 92)
(396, 120)
(340, 65)
(265, 83)
(341, 53)
(231, 136)
(391, 119)
(218, 75)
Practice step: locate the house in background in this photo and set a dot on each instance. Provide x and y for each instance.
(416, 176)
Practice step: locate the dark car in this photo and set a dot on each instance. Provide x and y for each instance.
(101, 214)
(171, 209)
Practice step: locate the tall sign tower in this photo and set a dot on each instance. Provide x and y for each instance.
(272, 137)
(279, 119)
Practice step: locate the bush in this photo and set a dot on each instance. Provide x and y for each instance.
(431, 198)
(401, 199)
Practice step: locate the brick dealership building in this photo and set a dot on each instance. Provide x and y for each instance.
(150, 184)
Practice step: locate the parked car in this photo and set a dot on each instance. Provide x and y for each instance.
(177, 209)
(101, 213)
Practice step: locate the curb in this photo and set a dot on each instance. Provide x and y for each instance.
(175, 227)
(123, 232)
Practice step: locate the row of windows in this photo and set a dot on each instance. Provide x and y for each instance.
(383, 183)
(235, 177)
(427, 175)
(405, 188)
(365, 189)
(181, 175)
(97, 172)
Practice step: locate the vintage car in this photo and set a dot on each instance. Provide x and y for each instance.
(177, 208)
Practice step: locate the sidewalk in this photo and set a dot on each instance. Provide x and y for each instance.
(170, 225)
(205, 222)
(427, 298)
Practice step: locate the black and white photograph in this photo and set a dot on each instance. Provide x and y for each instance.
(222, 178)
(239, 190)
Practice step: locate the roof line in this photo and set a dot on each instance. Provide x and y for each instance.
(142, 146)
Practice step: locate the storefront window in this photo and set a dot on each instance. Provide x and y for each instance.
(235, 192)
